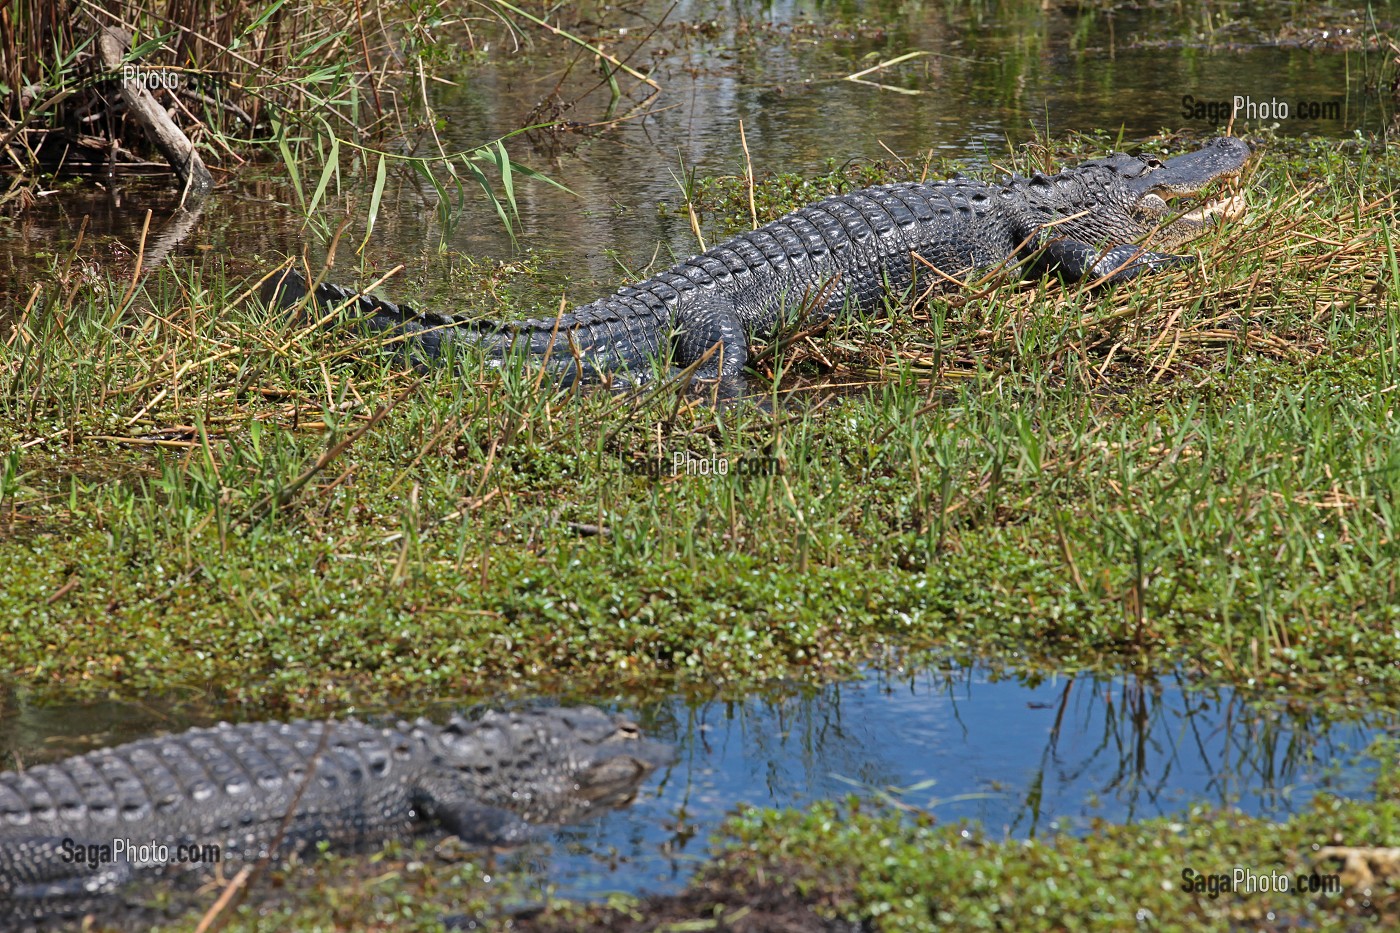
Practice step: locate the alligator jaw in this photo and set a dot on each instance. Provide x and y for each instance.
(1172, 225)
(1175, 190)
(1174, 229)
(1219, 161)
(624, 759)
(614, 782)
(1232, 207)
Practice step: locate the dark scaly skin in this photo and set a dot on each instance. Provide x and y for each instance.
(1105, 220)
(487, 781)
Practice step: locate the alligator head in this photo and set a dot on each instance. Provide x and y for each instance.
(547, 765)
(1155, 183)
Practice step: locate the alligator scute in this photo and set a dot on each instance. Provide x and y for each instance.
(247, 788)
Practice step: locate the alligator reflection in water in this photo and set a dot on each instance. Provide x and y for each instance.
(83, 827)
(1024, 756)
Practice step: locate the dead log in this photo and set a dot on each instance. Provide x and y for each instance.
(173, 144)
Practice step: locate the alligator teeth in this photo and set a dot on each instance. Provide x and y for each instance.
(1231, 208)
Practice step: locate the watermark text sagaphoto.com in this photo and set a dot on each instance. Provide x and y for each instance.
(687, 463)
(1240, 880)
(1242, 107)
(140, 853)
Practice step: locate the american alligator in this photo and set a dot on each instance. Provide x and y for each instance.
(85, 825)
(1104, 221)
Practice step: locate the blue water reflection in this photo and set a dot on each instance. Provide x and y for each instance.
(1022, 757)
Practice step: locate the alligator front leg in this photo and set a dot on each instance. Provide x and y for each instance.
(479, 824)
(1078, 261)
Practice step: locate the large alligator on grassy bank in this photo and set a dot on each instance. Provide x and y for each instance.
(1105, 221)
(238, 793)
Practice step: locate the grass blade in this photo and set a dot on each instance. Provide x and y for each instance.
(380, 174)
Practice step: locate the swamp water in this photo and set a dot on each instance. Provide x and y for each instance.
(1022, 756)
(979, 79)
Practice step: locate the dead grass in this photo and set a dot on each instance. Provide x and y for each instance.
(1277, 284)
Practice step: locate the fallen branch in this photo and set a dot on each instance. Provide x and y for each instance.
(172, 142)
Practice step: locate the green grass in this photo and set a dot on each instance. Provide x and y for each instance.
(1197, 471)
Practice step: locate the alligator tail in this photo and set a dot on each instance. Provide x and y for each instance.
(590, 344)
(428, 334)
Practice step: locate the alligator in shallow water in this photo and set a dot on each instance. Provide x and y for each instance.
(85, 825)
(1104, 221)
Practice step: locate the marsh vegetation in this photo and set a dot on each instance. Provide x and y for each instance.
(203, 499)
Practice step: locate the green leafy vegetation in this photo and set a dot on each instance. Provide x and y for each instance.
(1201, 471)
